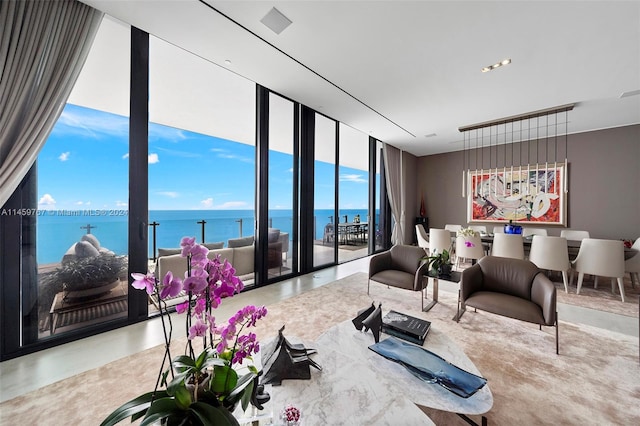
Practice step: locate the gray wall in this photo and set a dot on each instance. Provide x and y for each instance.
(604, 184)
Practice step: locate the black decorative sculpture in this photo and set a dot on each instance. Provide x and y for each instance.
(371, 319)
(362, 315)
(283, 360)
(258, 396)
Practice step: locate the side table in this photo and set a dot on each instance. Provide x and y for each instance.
(454, 277)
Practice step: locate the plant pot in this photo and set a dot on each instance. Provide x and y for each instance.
(445, 270)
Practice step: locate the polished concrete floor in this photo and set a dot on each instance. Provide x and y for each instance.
(21, 375)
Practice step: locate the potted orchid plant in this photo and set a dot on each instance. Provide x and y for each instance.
(204, 387)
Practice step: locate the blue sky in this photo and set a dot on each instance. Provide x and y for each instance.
(84, 165)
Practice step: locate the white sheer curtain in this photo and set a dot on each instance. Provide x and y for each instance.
(395, 190)
(43, 46)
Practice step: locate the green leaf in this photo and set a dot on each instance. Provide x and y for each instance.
(178, 381)
(212, 416)
(242, 390)
(224, 379)
(201, 359)
(246, 396)
(183, 397)
(160, 409)
(183, 362)
(132, 408)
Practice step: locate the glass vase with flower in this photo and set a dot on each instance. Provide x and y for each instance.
(204, 387)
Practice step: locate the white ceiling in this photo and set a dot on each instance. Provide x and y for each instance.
(400, 70)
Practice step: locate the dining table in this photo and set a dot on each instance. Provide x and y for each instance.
(352, 232)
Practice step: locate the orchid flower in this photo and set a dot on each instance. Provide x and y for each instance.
(171, 286)
(144, 282)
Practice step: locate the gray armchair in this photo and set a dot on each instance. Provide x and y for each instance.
(402, 267)
(513, 288)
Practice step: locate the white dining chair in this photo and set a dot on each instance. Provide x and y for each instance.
(551, 254)
(453, 228)
(468, 248)
(527, 232)
(574, 234)
(422, 237)
(632, 265)
(439, 239)
(508, 245)
(603, 258)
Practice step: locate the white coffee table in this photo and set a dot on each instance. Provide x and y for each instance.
(356, 381)
(345, 392)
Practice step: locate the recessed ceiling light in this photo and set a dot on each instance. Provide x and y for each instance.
(276, 21)
(496, 65)
(430, 135)
(227, 62)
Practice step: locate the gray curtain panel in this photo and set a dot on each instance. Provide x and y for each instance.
(394, 182)
(43, 46)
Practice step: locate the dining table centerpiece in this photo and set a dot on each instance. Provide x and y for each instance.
(202, 386)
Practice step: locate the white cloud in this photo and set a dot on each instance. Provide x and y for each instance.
(236, 157)
(153, 158)
(352, 178)
(208, 203)
(92, 123)
(170, 194)
(47, 200)
(125, 156)
(166, 133)
(122, 204)
(64, 156)
(79, 203)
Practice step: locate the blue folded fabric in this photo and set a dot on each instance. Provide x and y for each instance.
(430, 367)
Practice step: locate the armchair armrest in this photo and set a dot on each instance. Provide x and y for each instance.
(419, 276)
(543, 294)
(379, 262)
(470, 281)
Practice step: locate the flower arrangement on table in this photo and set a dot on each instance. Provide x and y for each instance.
(466, 232)
(202, 389)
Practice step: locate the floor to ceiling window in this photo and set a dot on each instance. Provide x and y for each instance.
(201, 154)
(280, 259)
(353, 194)
(324, 191)
(82, 192)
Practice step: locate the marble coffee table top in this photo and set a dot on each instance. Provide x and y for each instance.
(357, 386)
(345, 392)
(354, 344)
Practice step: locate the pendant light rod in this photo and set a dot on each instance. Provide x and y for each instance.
(525, 116)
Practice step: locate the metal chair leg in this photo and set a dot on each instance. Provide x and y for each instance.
(557, 341)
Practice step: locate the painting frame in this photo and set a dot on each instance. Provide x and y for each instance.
(531, 194)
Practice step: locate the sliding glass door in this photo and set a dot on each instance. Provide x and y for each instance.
(82, 195)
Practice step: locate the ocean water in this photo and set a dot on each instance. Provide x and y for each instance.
(58, 230)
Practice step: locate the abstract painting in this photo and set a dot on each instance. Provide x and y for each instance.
(523, 194)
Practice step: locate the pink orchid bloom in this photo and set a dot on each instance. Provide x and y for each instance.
(171, 286)
(144, 282)
(198, 329)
